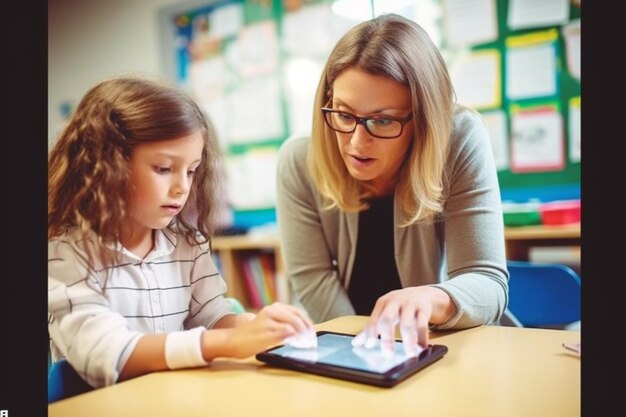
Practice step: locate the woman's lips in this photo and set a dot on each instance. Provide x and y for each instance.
(361, 161)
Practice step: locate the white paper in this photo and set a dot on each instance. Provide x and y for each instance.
(305, 31)
(469, 22)
(254, 111)
(251, 179)
(312, 30)
(496, 124)
(257, 49)
(217, 113)
(537, 141)
(476, 79)
(531, 71)
(226, 20)
(574, 130)
(206, 77)
(571, 34)
(524, 14)
(301, 78)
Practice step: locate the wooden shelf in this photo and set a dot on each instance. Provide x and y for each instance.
(245, 242)
(571, 231)
(520, 239)
(233, 252)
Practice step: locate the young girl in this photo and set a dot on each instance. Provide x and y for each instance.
(132, 287)
(391, 208)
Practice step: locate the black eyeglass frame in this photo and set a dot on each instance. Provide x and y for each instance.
(363, 121)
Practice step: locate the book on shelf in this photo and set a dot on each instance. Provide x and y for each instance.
(269, 275)
(260, 280)
(252, 288)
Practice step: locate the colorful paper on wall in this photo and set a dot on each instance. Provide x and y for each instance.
(574, 130)
(531, 65)
(477, 80)
(537, 141)
(496, 124)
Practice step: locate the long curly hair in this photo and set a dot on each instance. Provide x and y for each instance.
(88, 166)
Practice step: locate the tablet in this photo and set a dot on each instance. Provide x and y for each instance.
(336, 357)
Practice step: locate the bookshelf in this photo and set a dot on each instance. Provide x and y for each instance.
(520, 240)
(235, 254)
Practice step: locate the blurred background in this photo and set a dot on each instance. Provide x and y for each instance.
(254, 66)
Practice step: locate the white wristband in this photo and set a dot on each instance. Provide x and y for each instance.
(183, 349)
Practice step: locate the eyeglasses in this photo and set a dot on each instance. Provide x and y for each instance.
(382, 127)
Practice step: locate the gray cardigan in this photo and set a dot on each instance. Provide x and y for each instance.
(463, 253)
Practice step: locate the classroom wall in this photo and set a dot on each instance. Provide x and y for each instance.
(89, 40)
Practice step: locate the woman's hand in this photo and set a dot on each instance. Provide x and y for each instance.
(411, 309)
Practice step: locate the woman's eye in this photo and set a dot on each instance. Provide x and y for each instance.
(191, 173)
(345, 117)
(382, 122)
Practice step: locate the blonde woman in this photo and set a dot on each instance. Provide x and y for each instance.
(391, 208)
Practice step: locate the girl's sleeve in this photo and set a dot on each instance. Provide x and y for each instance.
(208, 288)
(94, 339)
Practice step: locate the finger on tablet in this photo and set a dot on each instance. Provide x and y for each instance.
(367, 338)
(409, 340)
(385, 328)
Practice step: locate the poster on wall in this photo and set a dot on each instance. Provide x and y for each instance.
(537, 138)
(532, 65)
(228, 57)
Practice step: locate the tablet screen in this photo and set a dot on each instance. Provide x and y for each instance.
(336, 357)
(337, 350)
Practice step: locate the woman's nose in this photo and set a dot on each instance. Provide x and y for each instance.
(360, 136)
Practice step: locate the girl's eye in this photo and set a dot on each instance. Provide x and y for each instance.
(161, 170)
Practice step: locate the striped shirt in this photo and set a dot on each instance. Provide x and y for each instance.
(96, 315)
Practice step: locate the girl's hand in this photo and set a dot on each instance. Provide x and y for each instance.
(270, 327)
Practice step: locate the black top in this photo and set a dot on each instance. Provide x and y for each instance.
(374, 272)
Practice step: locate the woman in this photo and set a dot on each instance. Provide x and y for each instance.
(392, 208)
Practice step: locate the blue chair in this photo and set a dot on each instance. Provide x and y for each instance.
(543, 295)
(64, 382)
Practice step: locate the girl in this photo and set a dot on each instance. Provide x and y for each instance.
(132, 200)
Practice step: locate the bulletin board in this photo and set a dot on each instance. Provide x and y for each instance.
(226, 53)
(552, 171)
(253, 65)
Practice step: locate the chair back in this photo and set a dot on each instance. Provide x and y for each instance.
(544, 295)
(64, 382)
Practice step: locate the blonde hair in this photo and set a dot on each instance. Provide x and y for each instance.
(399, 49)
(88, 172)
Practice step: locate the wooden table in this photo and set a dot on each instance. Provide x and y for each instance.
(488, 371)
